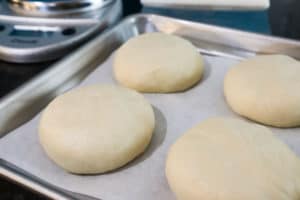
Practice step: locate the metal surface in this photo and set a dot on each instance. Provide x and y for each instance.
(53, 40)
(56, 7)
(210, 5)
(25, 102)
(18, 175)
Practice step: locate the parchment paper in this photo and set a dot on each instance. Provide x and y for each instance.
(144, 178)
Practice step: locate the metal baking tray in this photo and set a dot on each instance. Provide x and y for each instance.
(25, 102)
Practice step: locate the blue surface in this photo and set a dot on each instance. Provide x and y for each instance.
(254, 21)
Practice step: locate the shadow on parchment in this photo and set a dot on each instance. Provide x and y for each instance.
(158, 138)
(207, 71)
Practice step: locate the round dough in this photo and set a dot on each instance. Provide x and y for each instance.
(266, 89)
(96, 129)
(229, 159)
(157, 62)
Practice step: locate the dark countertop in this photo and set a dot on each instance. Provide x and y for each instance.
(13, 75)
(10, 191)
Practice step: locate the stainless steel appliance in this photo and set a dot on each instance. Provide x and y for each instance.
(36, 33)
(40, 30)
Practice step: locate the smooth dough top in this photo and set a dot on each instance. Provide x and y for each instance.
(229, 159)
(266, 89)
(157, 62)
(96, 129)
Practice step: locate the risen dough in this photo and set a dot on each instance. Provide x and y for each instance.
(266, 89)
(229, 159)
(157, 62)
(96, 129)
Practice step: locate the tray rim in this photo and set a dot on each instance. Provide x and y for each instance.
(25, 178)
(11, 97)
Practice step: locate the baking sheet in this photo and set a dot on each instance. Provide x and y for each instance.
(143, 178)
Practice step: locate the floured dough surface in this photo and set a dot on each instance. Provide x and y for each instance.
(229, 159)
(96, 129)
(157, 62)
(265, 89)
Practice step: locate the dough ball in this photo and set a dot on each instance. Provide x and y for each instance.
(157, 62)
(96, 129)
(229, 159)
(266, 89)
